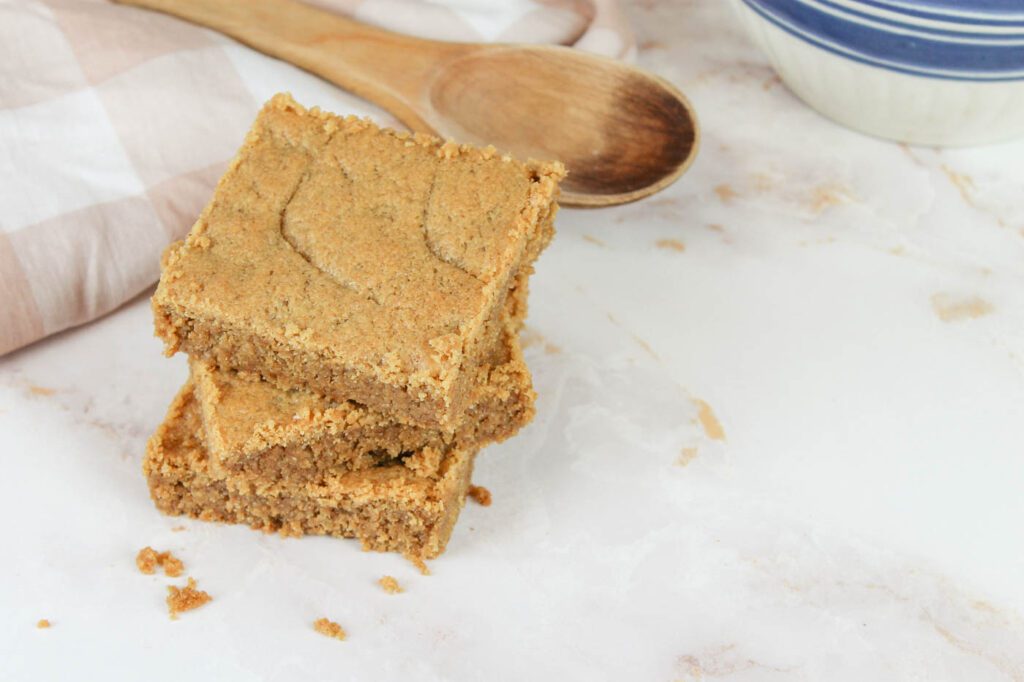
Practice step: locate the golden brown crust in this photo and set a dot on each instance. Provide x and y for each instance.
(389, 508)
(358, 262)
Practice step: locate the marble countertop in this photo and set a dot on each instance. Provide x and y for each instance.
(780, 437)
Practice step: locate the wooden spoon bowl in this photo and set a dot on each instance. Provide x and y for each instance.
(622, 133)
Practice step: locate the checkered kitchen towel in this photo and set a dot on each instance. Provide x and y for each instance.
(115, 124)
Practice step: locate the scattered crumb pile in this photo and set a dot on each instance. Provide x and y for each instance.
(328, 628)
(43, 624)
(186, 598)
(148, 559)
(390, 585)
(480, 495)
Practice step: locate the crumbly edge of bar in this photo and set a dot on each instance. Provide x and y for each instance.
(386, 510)
(425, 400)
(513, 305)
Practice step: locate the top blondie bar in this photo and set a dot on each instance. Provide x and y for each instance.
(360, 263)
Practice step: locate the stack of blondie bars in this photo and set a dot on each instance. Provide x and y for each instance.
(350, 301)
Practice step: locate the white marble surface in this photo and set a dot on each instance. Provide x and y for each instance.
(849, 311)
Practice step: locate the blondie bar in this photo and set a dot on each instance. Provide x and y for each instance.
(360, 263)
(388, 507)
(266, 437)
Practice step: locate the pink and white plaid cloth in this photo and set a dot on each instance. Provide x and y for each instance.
(115, 124)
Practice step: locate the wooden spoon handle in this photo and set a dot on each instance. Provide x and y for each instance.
(389, 69)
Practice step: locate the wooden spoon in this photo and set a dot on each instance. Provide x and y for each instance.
(622, 133)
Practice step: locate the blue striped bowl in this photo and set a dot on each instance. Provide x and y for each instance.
(940, 72)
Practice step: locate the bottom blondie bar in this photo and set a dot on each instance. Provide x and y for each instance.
(389, 507)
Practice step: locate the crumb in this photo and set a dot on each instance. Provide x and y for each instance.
(185, 598)
(43, 624)
(178, 529)
(148, 559)
(329, 628)
(41, 390)
(390, 585)
(595, 241)
(480, 495)
(173, 566)
(419, 563)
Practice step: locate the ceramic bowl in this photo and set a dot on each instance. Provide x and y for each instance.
(935, 72)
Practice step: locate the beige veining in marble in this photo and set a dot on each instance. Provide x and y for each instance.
(790, 451)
